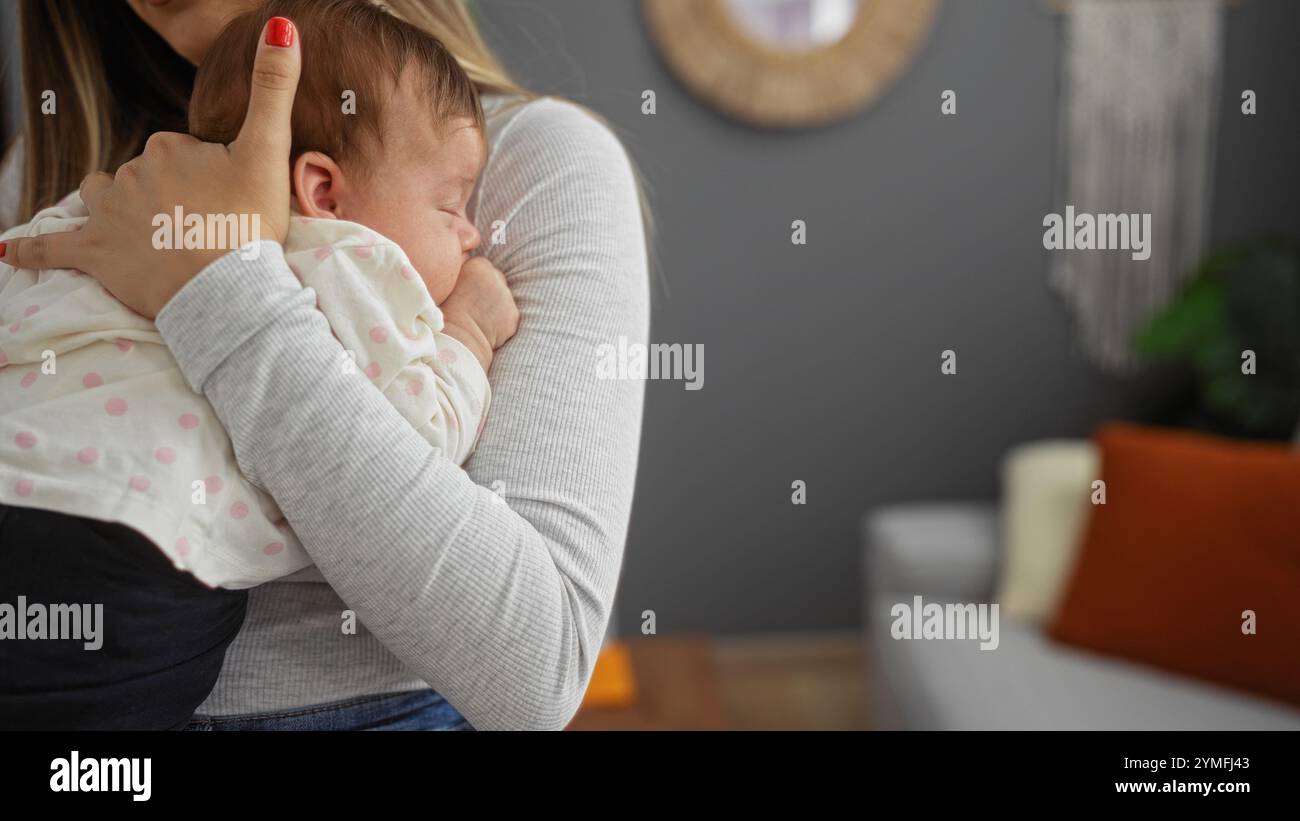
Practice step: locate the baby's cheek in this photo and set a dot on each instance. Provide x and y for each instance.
(438, 262)
(440, 283)
(435, 253)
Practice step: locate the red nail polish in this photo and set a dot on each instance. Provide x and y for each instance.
(4, 246)
(279, 32)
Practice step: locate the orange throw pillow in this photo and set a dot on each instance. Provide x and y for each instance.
(1195, 530)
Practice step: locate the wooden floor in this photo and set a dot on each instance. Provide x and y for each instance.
(770, 682)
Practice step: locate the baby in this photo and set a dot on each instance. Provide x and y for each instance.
(96, 419)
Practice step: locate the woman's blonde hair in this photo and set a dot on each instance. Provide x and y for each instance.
(451, 22)
(96, 83)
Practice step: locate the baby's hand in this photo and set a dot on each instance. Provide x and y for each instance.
(480, 312)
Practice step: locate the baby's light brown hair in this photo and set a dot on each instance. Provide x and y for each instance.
(347, 45)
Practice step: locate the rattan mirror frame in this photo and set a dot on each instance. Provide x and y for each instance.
(744, 78)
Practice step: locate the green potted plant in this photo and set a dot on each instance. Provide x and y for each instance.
(1242, 300)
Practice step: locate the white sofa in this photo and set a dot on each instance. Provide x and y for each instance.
(949, 552)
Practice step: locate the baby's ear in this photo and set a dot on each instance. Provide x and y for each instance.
(318, 185)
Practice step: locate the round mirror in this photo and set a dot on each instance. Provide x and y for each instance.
(795, 25)
(788, 63)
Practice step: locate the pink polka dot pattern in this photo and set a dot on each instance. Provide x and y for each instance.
(415, 387)
(238, 510)
(273, 548)
(139, 483)
(379, 335)
(23, 487)
(16, 327)
(324, 252)
(92, 380)
(87, 456)
(447, 355)
(373, 370)
(124, 345)
(408, 272)
(213, 484)
(25, 440)
(115, 406)
(188, 421)
(165, 455)
(28, 379)
(183, 546)
(363, 252)
(31, 310)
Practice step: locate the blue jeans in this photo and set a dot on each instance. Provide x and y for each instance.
(419, 710)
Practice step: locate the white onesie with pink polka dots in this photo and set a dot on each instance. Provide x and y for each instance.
(96, 419)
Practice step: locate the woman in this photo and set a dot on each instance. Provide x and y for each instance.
(499, 608)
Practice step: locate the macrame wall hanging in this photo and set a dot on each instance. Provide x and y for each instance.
(1140, 98)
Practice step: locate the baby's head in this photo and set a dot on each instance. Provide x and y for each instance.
(387, 127)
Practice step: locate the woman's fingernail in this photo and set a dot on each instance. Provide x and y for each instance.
(4, 246)
(279, 32)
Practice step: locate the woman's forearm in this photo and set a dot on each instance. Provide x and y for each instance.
(502, 614)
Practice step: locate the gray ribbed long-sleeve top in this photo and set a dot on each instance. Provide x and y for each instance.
(499, 601)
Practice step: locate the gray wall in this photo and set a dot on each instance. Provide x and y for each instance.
(822, 361)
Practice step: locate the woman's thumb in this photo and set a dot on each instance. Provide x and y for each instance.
(267, 127)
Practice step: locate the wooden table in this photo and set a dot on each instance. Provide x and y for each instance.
(677, 689)
(792, 681)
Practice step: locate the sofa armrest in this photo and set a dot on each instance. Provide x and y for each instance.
(944, 551)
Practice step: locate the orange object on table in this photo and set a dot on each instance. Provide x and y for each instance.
(613, 684)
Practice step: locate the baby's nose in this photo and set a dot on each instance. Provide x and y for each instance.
(469, 238)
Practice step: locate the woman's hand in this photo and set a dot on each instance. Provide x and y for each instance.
(480, 312)
(248, 177)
